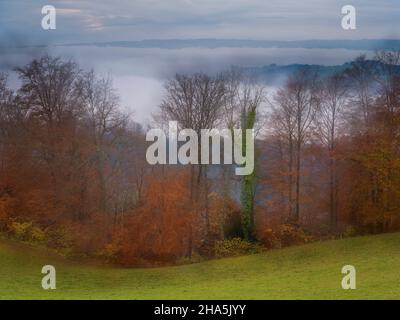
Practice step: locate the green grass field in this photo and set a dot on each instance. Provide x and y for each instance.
(304, 272)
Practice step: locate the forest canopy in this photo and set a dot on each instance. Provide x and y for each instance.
(74, 175)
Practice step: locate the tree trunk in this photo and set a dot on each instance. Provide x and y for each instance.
(298, 165)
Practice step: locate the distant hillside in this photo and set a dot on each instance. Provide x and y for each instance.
(362, 44)
(276, 74)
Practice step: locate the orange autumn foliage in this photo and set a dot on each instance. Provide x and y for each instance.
(163, 228)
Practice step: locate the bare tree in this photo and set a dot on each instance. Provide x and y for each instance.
(388, 120)
(8, 115)
(388, 79)
(105, 121)
(283, 123)
(361, 84)
(7, 112)
(297, 104)
(48, 88)
(195, 102)
(242, 109)
(50, 101)
(333, 98)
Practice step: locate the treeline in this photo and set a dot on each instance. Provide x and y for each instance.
(73, 172)
(336, 142)
(71, 160)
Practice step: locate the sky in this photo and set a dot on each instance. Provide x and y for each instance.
(139, 74)
(104, 20)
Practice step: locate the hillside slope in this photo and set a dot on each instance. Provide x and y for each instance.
(305, 272)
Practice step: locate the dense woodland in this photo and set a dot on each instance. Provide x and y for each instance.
(74, 176)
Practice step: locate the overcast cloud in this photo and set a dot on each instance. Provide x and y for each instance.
(139, 73)
(104, 20)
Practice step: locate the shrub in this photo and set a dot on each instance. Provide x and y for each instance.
(111, 252)
(350, 232)
(60, 239)
(290, 234)
(26, 231)
(20, 230)
(37, 234)
(283, 236)
(270, 239)
(6, 208)
(235, 247)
